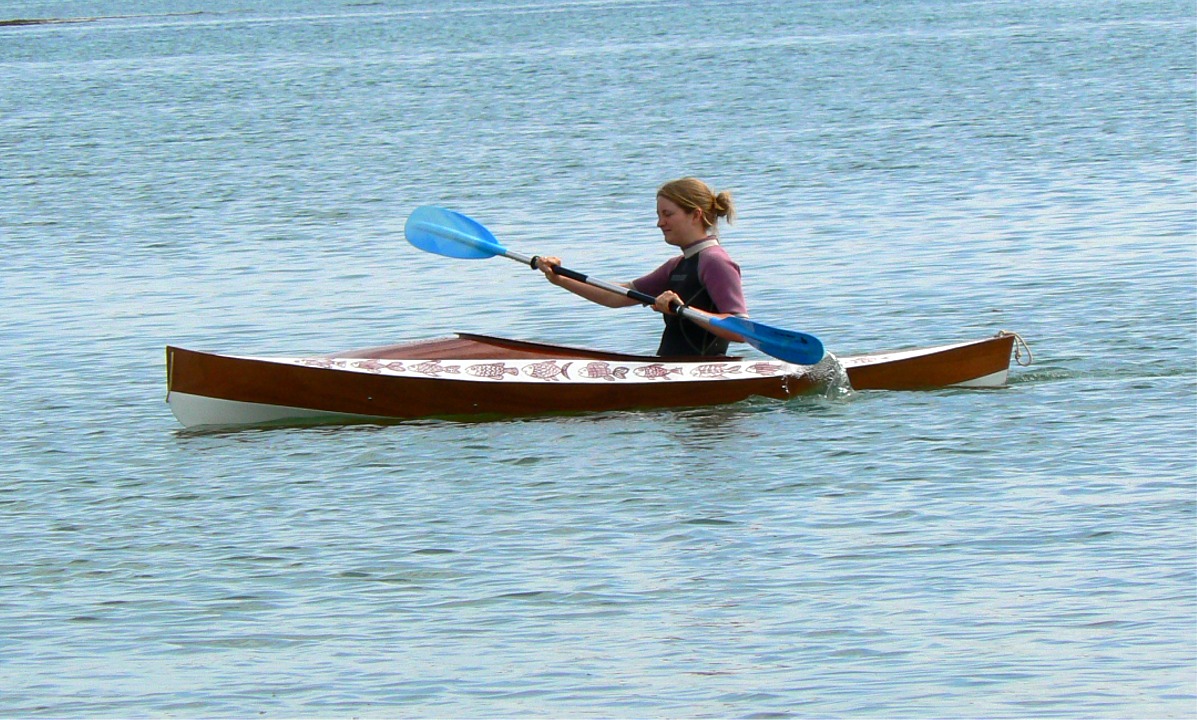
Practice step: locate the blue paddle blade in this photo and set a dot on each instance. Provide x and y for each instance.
(444, 232)
(789, 345)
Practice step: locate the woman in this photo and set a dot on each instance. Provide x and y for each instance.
(702, 277)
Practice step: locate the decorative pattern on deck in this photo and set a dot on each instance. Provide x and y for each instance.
(554, 370)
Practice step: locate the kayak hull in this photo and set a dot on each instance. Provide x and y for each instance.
(479, 377)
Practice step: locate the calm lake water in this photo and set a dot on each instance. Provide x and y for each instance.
(907, 173)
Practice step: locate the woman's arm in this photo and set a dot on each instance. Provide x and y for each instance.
(581, 289)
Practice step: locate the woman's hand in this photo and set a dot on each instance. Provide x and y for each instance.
(666, 302)
(546, 265)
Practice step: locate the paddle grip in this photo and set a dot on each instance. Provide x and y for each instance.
(641, 297)
(558, 270)
(571, 274)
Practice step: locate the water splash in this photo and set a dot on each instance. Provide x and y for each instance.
(831, 378)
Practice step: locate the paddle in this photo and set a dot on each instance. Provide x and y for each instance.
(445, 232)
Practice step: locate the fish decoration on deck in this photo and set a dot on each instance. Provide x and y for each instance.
(494, 371)
(434, 368)
(599, 370)
(375, 366)
(764, 368)
(657, 370)
(548, 370)
(715, 370)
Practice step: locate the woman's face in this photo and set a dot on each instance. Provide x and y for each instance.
(679, 227)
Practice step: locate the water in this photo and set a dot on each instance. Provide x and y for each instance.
(907, 173)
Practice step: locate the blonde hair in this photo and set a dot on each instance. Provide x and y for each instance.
(690, 193)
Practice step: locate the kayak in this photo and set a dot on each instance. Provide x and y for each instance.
(477, 377)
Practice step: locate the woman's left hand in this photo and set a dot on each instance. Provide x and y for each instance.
(666, 301)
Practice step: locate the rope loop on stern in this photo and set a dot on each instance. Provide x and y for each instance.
(1018, 342)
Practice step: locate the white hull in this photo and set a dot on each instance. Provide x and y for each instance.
(200, 411)
(995, 380)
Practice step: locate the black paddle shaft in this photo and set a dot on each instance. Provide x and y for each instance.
(575, 275)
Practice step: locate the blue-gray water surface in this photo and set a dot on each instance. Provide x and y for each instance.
(235, 178)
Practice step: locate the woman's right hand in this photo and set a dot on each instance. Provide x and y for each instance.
(546, 265)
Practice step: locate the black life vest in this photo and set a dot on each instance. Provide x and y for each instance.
(682, 337)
